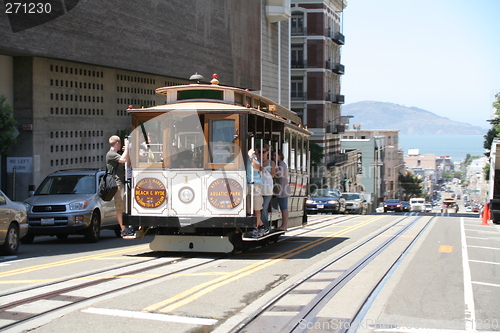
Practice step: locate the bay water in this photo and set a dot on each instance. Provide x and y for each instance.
(455, 146)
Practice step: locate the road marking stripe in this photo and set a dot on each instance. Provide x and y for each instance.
(483, 231)
(445, 249)
(70, 261)
(151, 316)
(487, 284)
(29, 281)
(200, 290)
(421, 330)
(486, 262)
(470, 310)
(484, 247)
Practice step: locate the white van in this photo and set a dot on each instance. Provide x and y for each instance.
(417, 205)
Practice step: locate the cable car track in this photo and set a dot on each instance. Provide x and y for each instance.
(64, 290)
(8, 309)
(36, 293)
(304, 319)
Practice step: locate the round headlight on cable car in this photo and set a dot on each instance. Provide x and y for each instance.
(186, 194)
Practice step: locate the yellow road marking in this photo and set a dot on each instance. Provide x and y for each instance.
(445, 248)
(70, 261)
(28, 281)
(200, 290)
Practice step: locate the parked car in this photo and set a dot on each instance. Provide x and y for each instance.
(13, 224)
(66, 202)
(325, 201)
(355, 203)
(394, 205)
(406, 206)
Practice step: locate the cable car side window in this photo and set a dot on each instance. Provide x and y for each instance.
(293, 146)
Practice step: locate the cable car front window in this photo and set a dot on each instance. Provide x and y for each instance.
(186, 141)
(150, 150)
(172, 140)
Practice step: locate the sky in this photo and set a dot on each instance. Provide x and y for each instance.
(442, 56)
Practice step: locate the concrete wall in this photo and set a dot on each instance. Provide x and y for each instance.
(71, 79)
(276, 61)
(367, 147)
(7, 78)
(170, 38)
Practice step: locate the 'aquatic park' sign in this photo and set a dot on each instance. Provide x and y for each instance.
(21, 164)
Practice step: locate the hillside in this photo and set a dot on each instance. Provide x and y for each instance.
(409, 120)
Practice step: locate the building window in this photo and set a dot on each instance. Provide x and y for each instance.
(297, 23)
(297, 87)
(298, 56)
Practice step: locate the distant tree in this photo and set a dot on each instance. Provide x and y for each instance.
(486, 171)
(447, 176)
(457, 174)
(7, 123)
(469, 159)
(495, 127)
(488, 139)
(316, 153)
(411, 185)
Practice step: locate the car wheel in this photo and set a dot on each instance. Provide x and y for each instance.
(11, 244)
(92, 232)
(28, 239)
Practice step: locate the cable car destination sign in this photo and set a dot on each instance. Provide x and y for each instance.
(225, 193)
(150, 193)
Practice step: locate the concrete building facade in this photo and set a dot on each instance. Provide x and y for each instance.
(369, 174)
(71, 79)
(389, 155)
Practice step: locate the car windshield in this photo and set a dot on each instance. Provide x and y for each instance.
(324, 193)
(351, 196)
(70, 184)
(392, 201)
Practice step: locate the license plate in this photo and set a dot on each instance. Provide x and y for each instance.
(320, 206)
(47, 221)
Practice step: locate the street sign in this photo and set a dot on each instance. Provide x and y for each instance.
(22, 164)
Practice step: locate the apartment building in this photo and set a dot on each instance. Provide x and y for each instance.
(316, 72)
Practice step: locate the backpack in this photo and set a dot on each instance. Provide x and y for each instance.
(107, 187)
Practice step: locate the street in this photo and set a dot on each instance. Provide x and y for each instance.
(384, 273)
